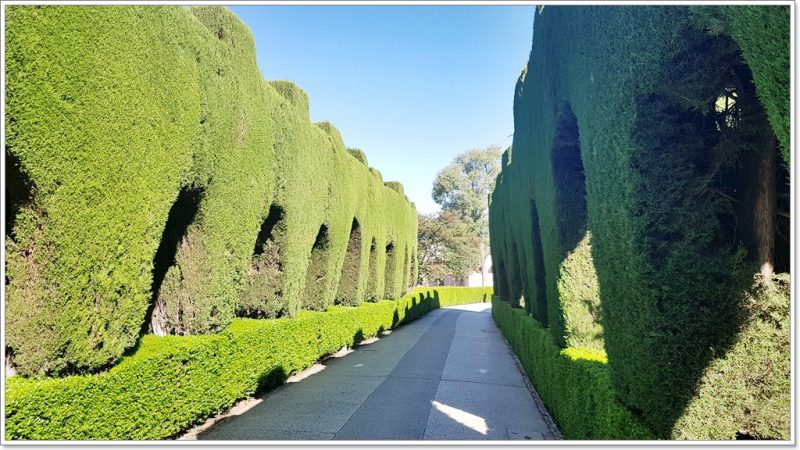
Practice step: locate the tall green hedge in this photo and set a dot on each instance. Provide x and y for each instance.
(102, 112)
(651, 270)
(573, 383)
(125, 121)
(173, 382)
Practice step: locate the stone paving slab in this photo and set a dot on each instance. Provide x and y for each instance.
(396, 410)
(428, 356)
(316, 404)
(477, 411)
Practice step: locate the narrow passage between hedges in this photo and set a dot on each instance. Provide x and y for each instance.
(446, 376)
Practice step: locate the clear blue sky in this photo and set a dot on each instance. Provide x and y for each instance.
(412, 86)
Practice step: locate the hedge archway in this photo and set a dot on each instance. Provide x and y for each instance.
(350, 279)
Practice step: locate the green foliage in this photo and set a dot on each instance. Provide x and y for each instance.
(463, 186)
(456, 295)
(113, 113)
(199, 376)
(580, 298)
(371, 294)
(396, 186)
(262, 291)
(294, 95)
(234, 162)
(762, 32)
(351, 278)
(321, 184)
(573, 383)
(359, 155)
(746, 391)
(391, 269)
(660, 170)
(376, 173)
(316, 273)
(102, 113)
(447, 246)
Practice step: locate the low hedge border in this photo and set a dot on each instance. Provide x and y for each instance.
(170, 383)
(450, 296)
(573, 383)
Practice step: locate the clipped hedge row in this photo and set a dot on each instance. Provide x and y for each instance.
(573, 383)
(627, 214)
(454, 295)
(147, 155)
(173, 382)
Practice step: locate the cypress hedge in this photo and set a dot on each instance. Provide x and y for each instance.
(161, 184)
(173, 382)
(634, 174)
(573, 383)
(102, 114)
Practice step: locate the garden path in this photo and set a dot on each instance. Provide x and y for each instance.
(446, 376)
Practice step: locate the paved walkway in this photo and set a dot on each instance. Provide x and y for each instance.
(446, 376)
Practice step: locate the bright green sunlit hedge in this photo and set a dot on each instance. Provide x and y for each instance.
(160, 183)
(173, 382)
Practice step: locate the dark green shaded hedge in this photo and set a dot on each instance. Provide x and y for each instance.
(573, 383)
(173, 382)
(763, 35)
(114, 116)
(656, 278)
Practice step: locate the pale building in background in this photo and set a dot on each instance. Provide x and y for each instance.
(475, 279)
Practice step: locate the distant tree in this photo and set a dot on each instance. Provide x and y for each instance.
(463, 188)
(447, 246)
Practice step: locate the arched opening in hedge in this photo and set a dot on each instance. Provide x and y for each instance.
(570, 181)
(19, 191)
(412, 279)
(783, 221)
(714, 134)
(181, 215)
(372, 282)
(406, 274)
(538, 305)
(514, 277)
(578, 309)
(390, 272)
(263, 287)
(500, 282)
(316, 274)
(751, 181)
(351, 268)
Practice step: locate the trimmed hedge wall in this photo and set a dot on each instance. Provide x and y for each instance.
(658, 268)
(173, 382)
(573, 383)
(149, 152)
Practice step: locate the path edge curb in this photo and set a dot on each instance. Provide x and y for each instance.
(555, 433)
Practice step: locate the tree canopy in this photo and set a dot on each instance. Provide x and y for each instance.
(447, 246)
(463, 187)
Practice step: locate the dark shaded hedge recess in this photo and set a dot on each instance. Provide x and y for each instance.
(147, 152)
(173, 382)
(634, 211)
